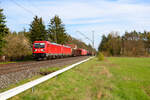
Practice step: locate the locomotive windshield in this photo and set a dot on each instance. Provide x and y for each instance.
(39, 45)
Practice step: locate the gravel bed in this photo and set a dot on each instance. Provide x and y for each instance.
(33, 69)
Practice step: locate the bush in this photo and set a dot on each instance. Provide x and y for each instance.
(100, 56)
(17, 47)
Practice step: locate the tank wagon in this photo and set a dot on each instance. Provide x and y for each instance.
(46, 49)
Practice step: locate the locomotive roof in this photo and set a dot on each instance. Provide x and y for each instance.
(67, 46)
(60, 44)
(40, 41)
(55, 43)
(52, 43)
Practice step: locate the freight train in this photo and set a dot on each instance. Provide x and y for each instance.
(46, 49)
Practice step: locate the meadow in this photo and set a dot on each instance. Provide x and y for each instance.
(115, 78)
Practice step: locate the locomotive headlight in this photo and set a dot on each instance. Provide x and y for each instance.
(35, 49)
(42, 50)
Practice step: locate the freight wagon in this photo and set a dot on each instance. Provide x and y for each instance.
(79, 52)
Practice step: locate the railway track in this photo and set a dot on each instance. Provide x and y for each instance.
(15, 67)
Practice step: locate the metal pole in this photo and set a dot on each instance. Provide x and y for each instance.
(32, 89)
(93, 38)
(93, 42)
(55, 37)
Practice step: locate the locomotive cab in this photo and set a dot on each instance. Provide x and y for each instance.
(39, 49)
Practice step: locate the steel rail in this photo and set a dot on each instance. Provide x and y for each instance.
(12, 92)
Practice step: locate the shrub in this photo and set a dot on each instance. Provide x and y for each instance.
(17, 47)
(100, 56)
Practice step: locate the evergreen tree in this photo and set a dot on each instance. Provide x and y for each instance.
(103, 45)
(3, 29)
(37, 30)
(56, 30)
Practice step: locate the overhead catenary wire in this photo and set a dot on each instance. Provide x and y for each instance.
(35, 7)
(88, 37)
(19, 5)
(84, 35)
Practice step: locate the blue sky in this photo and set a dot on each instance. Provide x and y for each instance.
(100, 16)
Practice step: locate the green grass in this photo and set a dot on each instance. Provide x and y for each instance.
(7, 62)
(25, 59)
(51, 69)
(112, 79)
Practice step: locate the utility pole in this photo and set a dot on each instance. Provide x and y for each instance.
(55, 37)
(93, 38)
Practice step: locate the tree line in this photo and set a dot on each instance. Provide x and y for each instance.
(17, 45)
(130, 44)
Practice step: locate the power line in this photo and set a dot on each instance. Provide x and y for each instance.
(27, 10)
(34, 6)
(84, 35)
(87, 37)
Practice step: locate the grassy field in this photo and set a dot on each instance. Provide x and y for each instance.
(112, 79)
(7, 62)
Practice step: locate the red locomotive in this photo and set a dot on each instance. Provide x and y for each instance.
(46, 49)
